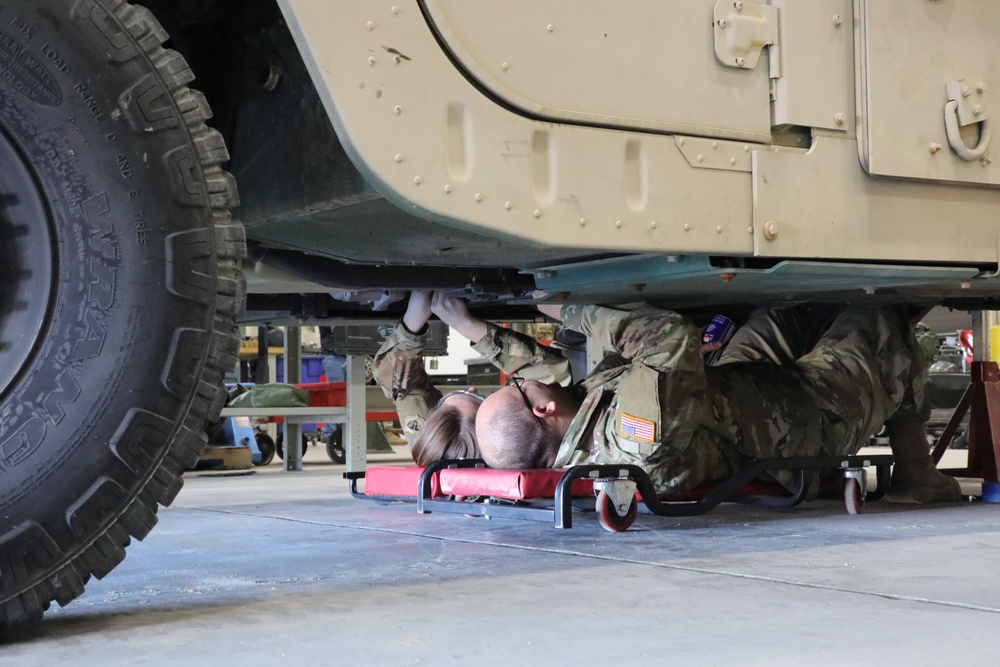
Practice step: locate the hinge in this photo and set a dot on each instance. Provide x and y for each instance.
(742, 30)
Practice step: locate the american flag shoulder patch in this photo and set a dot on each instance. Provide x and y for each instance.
(637, 429)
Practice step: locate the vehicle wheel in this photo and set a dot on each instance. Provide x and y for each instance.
(609, 516)
(120, 287)
(279, 445)
(265, 444)
(335, 447)
(854, 500)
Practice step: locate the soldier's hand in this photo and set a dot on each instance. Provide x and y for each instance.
(708, 348)
(711, 347)
(454, 312)
(418, 311)
(450, 309)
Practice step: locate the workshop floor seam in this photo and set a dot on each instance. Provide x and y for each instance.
(617, 559)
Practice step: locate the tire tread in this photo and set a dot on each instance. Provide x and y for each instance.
(160, 484)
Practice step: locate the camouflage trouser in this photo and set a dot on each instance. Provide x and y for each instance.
(816, 389)
(778, 335)
(800, 381)
(864, 368)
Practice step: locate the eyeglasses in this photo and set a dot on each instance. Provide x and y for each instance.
(461, 392)
(517, 382)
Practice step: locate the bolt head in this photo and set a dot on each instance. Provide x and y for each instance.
(770, 230)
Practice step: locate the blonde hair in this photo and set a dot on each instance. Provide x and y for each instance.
(448, 433)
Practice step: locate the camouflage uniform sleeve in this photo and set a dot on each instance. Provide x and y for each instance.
(399, 370)
(514, 352)
(660, 339)
(596, 322)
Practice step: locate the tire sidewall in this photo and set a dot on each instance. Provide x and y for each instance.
(107, 383)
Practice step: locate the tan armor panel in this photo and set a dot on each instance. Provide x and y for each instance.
(578, 145)
(650, 64)
(916, 56)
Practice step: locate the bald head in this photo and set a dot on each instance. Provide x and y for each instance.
(512, 435)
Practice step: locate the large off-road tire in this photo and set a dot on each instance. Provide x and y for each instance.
(119, 284)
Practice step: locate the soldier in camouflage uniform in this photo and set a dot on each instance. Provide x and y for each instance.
(399, 370)
(770, 396)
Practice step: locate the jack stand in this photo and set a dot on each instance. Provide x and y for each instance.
(983, 398)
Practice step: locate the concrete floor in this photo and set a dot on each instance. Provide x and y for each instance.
(280, 568)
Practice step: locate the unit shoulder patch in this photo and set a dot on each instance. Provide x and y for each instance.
(412, 424)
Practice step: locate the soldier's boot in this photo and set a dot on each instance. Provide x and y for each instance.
(915, 479)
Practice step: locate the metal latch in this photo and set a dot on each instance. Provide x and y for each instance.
(965, 107)
(742, 30)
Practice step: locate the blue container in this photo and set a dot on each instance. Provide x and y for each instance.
(991, 492)
(312, 370)
(719, 330)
